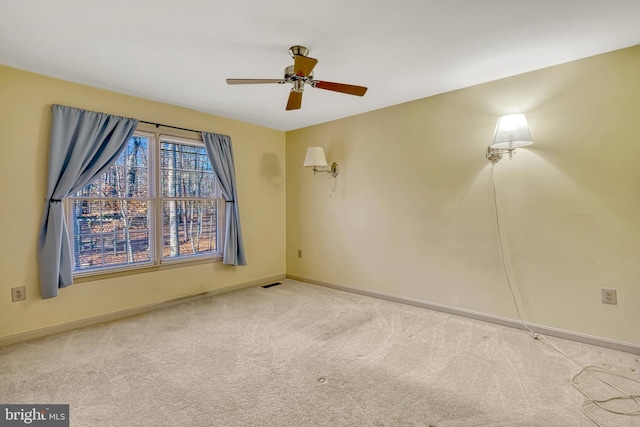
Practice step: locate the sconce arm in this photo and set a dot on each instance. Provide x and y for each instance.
(333, 169)
(495, 154)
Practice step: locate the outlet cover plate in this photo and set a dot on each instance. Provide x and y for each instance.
(608, 296)
(19, 293)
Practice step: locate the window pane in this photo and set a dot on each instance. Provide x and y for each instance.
(128, 177)
(109, 233)
(189, 227)
(186, 171)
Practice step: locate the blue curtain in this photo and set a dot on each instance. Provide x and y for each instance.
(84, 144)
(221, 158)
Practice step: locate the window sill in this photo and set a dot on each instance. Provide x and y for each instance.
(91, 277)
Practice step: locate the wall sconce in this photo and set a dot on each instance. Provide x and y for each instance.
(315, 159)
(512, 131)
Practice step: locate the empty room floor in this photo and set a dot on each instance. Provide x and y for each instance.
(297, 354)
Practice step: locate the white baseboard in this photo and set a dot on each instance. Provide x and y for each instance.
(110, 317)
(540, 329)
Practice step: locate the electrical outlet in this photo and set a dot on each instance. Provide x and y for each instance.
(299, 253)
(18, 293)
(609, 296)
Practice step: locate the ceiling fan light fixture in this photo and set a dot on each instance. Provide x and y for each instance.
(298, 85)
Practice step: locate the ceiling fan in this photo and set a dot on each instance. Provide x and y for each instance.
(298, 74)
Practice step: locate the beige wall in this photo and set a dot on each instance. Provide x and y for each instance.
(25, 118)
(413, 216)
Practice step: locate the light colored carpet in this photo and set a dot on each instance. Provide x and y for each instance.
(303, 355)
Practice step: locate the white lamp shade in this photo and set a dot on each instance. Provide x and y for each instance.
(512, 131)
(315, 157)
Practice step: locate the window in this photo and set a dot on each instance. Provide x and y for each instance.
(160, 202)
(189, 204)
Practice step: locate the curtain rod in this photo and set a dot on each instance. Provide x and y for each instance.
(169, 126)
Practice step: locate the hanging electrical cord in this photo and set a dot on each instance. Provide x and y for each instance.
(334, 183)
(504, 264)
(600, 403)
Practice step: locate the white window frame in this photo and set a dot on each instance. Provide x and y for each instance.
(220, 206)
(156, 202)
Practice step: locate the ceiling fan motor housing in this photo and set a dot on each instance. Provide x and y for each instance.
(297, 81)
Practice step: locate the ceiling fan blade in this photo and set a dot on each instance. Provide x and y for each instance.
(295, 100)
(340, 87)
(303, 65)
(253, 81)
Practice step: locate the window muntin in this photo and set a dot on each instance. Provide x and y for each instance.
(112, 221)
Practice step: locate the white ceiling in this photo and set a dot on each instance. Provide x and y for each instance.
(181, 52)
